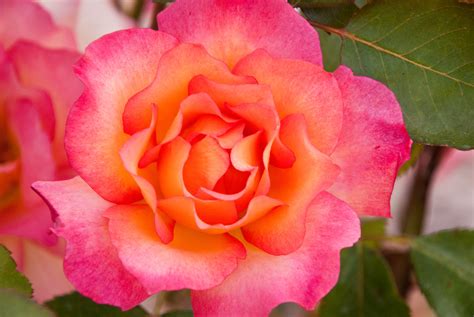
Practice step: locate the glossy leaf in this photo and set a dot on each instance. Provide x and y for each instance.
(16, 304)
(445, 272)
(422, 50)
(10, 278)
(337, 16)
(76, 305)
(365, 287)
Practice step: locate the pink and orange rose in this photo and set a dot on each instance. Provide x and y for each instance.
(217, 155)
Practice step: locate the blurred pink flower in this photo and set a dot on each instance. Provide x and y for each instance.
(37, 87)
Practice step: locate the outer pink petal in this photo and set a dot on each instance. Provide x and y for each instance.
(263, 281)
(91, 262)
(51, 71)
(231, 29)
(192, 260)
(300, 87)
(39, 26)
(372, 146)
(113, 69)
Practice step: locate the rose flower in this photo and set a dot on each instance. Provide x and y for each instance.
(217, 155)
(37, 86)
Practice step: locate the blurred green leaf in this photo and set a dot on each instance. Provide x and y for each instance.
(365, 287)
(76, 305)
(16, 304)
(373, 228)
(444, 267)
(10, 278)
(422, 50)
(416, 150)
(163, 1)
(179, 313)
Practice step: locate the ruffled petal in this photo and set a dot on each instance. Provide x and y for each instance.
(91, 262)
(304, 276)
(300, 87)
(173, 156)
(192, 260)
(113, 69)
(231, 29)
(170, 87)
(373, 144)
(282, 230)
(231, 94)
(206, 164)
(131, 153)
(184, 211)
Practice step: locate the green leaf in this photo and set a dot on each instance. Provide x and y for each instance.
(444, 267)
(331, 47)
(422, 50)
(16, 304)
(365, 287)
(10, 278)
(76, 305)
(337, 17)
(179, 313)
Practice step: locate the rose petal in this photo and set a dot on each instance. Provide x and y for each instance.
(206, 164)
(50, 71)
(29, 218)
(231, 29)
(173, 156)
(300, 87)
(176, 68)
(232, 94)
(304, 276)
(113, 69)
(91, 262)
(282, 231)
(209, 125)
(192, 260)
(369, 164)
(229, 139)
(183, 210)
(190, 108)
(246, 155)
(131, 153)
(12, 91)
